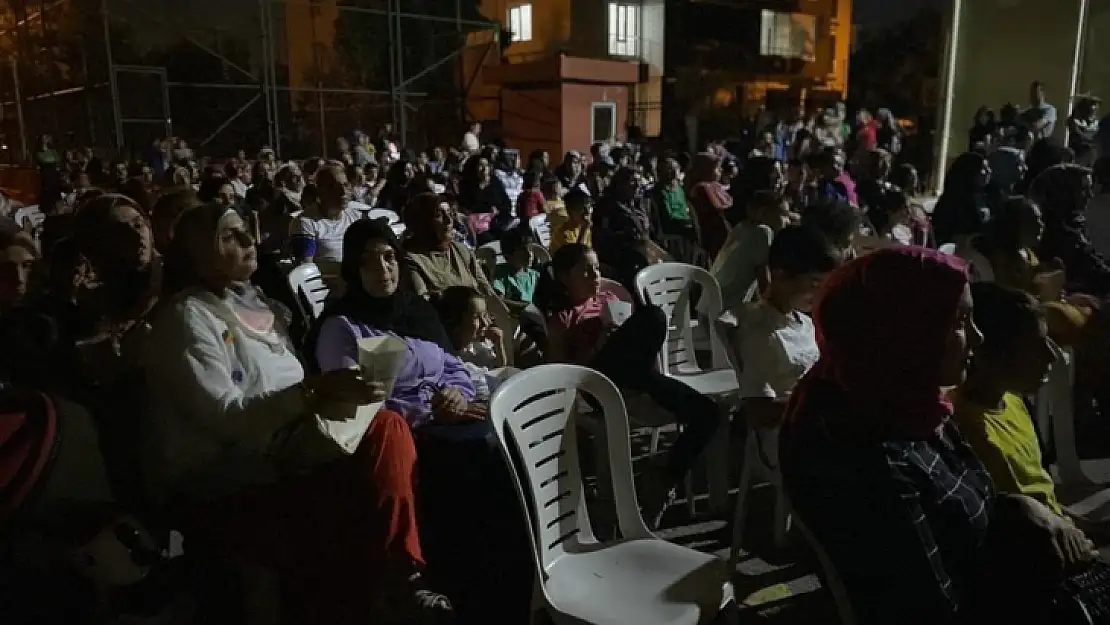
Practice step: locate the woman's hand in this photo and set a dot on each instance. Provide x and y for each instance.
(1055, 541)
(346, 386)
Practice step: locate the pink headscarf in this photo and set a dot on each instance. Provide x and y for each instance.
(883, 323)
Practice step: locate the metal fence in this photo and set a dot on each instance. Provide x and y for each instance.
(232, 74)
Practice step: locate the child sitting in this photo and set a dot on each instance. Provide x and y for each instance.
(573, 224)
(552, 189)
(1013, 360)
(515, 280)
(476, 341)
(773, 338)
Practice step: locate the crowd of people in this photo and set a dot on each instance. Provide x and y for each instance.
(162, 375)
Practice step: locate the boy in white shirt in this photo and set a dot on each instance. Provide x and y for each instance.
(774, 338)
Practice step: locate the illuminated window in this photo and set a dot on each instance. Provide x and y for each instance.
(789, 35)
(603, 121)
(520, 22)
(624, 29)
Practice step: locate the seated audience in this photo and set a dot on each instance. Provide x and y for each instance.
(882, 477)
(580, 332)
(475, 340)
(741, 260)
(433, 391)
(235, 441)
(572, 225)
(18, 257)
(515, 279)
(622, 231)
(1062, 192)
(774, 339)
(709, 201)
(668, 201)
(1012, 361)
(433, 260)
(326, 224)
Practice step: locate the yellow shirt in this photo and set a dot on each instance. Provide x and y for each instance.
(562, 232)
(1006, 443)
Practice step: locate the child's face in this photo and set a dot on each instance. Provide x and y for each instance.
(1022, 366)
(473, 324)
(797, 290)
(579, 212)
(520, 259)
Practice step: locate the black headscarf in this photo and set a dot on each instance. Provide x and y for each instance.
(404, 313)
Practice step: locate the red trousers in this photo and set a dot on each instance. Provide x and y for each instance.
(336, 537)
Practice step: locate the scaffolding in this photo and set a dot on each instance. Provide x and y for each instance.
(293, 74)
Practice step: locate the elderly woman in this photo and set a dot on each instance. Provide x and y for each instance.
(236, 439)
(885, 481)
(460, 465)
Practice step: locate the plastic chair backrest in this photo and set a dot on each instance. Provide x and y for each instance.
(540, 253)
(947, 248)
(533, 414)
(383, 213)
(306, 282)
(668, 285)
(1056, 415)
(490, 256)
(541, 228)
(831, 577)
(608, 285)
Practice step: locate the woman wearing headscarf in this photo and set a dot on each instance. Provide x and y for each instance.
(982, 130)
(236, 442)
(881, 475)
(1007, 171)
(461, 466)
(962, 209)
(709, 201)
(1062, 192)
(570, 172)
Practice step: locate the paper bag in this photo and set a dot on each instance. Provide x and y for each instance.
(343, 425)
(615, 312)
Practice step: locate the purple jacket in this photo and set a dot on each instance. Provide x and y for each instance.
(427, 368)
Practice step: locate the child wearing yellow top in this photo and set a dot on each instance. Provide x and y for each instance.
(1013, 360)
(573, 223)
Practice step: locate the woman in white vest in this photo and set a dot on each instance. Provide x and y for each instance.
(260, 462)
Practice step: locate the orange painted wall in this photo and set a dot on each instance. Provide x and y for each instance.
(532, 119)
(577, 111)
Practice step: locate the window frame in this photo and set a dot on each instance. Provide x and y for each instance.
(771, 35)
(594, 107)
(623, 27)
(523, 32)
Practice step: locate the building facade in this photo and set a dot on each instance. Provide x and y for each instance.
(726, 59)
(567, 73)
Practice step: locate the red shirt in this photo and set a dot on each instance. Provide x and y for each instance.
(868, 135)
(582, 327)
(529, 204)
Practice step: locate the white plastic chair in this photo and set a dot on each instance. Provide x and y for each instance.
(1056, 414)
(309, 290)
(383, 213)
(540, 253)
(947, 248)
(754, 467)
(490, 256)
(668, 286)
(637, 579)
(830, 578)
(541, 228)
